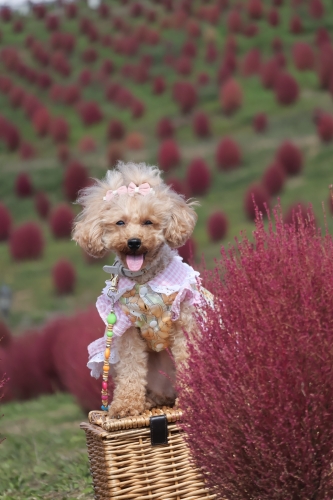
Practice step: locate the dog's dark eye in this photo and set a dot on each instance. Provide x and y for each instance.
(147, 222)
(120, 223)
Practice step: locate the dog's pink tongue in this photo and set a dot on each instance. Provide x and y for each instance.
(134, 262)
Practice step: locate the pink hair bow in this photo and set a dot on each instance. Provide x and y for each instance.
(110, 194)
(143, 189)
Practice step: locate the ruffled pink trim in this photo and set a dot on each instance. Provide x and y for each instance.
(96, 347)
(193, 297)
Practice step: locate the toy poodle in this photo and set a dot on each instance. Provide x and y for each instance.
(153, 293)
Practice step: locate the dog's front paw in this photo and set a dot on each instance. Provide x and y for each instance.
(117, 409)
(129, 402)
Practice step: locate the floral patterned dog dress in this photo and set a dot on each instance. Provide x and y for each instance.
(151, 312)
(152, 307)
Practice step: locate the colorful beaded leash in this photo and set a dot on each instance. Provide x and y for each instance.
(111, 319)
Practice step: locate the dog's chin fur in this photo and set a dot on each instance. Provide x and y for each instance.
(138, 380)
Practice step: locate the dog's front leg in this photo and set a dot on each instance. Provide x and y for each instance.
(185, 323)
(131, 376)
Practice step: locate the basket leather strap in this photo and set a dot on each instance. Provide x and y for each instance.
(158, 430)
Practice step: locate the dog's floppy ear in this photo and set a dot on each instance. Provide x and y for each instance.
(88, 229)
(89, 235)
(181, 222)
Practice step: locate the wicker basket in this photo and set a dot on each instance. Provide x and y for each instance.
(125, 465)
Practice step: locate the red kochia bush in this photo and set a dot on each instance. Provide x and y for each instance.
(5, 222)
(211, 52)
(71, 10)
(89, 55)
(59, 129)
(90, 113)
(16, 95)
(52, 22)
(198, 177)
(71, 94)
(115, 153)
(27, 151)
(286, 89)
(322, 37)
(24, 360)
(187, 251)
(159, 85)
(168, 155)
(201, 124)
(325, 65)
(61, 221)
(316, 9)
(5, 14)
(256, 196)
(251, 62)
(231, 96)
(165, 128)
(296, 25)
(39, 10)
(63, 153)
(251, 30)
(255, 9)
(137, 108)
(217, 226)
(69, 357)
(26, 242)
(290, 156)
(41, 121)
(274, 178)
(234, 21)
(85, 77)
(269, 364)
(228, 154)
(75, 178)
(269, 72)
(178, 186)
(260, 122)
(42, 204)
(44, 80)
(273, 17)
(115, 130)
(104, 11)
(325, 127)
(303, 56)
(63, 276)
(185, 95)
(11, 137)
(23, 185)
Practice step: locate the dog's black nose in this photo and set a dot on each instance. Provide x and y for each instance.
(134, 243)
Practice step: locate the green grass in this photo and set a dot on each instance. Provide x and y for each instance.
(44, 455)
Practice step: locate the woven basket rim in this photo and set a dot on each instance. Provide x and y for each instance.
(102, 419)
